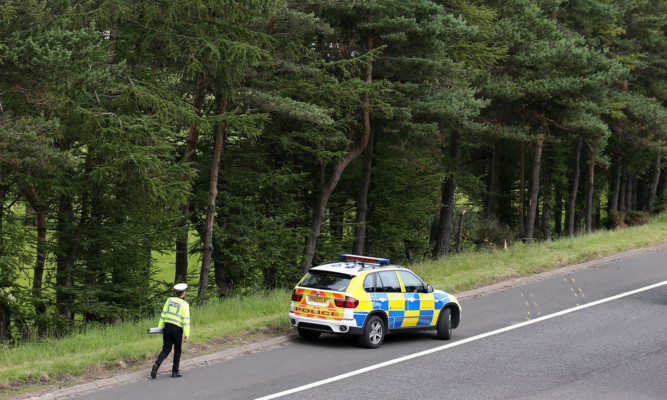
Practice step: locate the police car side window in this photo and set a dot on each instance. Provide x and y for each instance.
(411, 282)
(388, 282)
(369, 283)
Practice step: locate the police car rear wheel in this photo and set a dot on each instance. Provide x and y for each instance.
(373, 333)
(445, 324)
(307, 334)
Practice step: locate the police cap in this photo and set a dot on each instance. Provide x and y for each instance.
(180, 287)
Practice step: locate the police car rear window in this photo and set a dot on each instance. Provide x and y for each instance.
(326, 280)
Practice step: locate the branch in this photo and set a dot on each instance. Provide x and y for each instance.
(554, 123)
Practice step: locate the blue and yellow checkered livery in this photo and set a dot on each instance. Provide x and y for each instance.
(404, 303)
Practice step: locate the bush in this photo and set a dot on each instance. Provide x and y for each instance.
(616, 220)
(633, 218)
(619, 219)
(483, 232)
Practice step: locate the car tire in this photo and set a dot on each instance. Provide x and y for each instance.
(445, 324)
(373, 333)
(307, 334)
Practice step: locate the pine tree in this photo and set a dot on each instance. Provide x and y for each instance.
(551, 86)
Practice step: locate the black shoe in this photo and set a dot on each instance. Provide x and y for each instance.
(176, 374)
(154, 370)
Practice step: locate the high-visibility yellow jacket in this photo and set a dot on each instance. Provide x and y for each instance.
(176, 311)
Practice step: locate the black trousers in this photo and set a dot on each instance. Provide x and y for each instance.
(172, 335)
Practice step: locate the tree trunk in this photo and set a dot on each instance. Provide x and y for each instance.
(336, 221)
(181, 271)
(445, 221)
(323, 198)
(574, 188)
(628, 193)
(589, 197)
(621, 195)
(5, 310)
(328, 188)
(633, 196)
(319, 210)
(210, 209)
(662, 185)
(546, 203)
(182, 245)
(644, 188)
(558, 213)
(38, 277)
(522, 191)
(362, 198)
(38, 274)
(3, 198)
(93, 252)
(615, 191)
(459, 235)
(653, 189)
(534, 191)
(68, 243)
(494, 184)
(5, 322)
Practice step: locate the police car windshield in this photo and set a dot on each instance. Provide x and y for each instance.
(326, 280)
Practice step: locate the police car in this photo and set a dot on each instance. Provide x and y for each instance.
(369, 297)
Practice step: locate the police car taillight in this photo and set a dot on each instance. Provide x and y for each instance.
(347, 302)
(296, 296)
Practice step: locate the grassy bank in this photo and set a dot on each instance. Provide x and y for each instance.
(468, 271)
(221, 324)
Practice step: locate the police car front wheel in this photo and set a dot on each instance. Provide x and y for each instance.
(372, 335)
(445, 324)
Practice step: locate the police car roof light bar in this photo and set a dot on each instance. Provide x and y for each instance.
(364, 258)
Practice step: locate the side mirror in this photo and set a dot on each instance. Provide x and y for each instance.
(429, 289)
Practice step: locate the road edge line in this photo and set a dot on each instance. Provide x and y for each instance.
(458, 343)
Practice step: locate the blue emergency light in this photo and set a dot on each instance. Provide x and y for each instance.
(353, 257)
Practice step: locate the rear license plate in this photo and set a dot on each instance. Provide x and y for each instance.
(317, 299)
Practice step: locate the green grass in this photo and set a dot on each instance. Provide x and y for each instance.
(165, 263)
(123, 345)
(468, 271)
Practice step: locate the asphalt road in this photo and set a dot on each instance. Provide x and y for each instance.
(588, 332)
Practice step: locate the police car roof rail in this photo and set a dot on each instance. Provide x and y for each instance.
(364, 259)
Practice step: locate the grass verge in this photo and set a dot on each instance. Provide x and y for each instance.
(99, 352)
(468, 271)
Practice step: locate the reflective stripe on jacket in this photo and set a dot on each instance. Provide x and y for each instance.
(176, 311)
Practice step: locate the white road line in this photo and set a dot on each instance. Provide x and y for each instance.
(458, 343)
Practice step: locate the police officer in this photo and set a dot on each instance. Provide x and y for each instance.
(175, 319)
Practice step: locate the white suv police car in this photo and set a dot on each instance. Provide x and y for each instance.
(369, 297)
